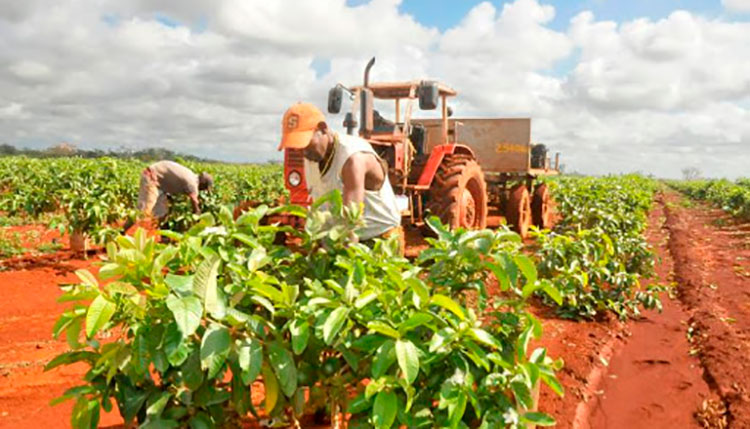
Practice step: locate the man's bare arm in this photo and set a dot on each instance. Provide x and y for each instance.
(353, 176)
(196, 205)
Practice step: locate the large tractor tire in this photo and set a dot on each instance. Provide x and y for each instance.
(540, 206)
(518, 210)
(458, 195)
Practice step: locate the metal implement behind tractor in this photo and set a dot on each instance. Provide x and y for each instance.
(457, 169)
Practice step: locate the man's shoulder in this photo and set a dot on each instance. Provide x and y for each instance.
(352, 140)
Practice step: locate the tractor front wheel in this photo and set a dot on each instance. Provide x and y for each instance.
(518, 210)
(458, 195)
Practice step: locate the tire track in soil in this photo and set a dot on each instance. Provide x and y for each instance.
(653, 381)
(708, 248)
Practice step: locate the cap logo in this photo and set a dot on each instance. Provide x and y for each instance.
(292, 121)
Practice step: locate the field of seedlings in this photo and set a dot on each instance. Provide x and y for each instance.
(633, 310)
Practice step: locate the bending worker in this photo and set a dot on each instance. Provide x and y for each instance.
(167, 178)
(347, 163)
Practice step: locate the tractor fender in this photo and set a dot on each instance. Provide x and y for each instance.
(436, 157)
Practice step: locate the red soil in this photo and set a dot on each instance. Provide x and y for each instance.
(29, 309)
(712, 256)
(656, 354)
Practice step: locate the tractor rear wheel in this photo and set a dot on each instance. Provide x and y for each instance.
(540, 206)
(458, 195)
(518, 210)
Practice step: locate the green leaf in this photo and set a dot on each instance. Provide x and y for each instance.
(408, 359)
(99, 313)
(522, 393)
(282, 362)
(421, 293)
(131, 401)
(73, 333)
(457, 409)
(383, 328)
(529, 288)
(157, 405)
(358, 404)
(87, 278)
(120, 288)
(187, 313)
(214, 349)
(85, 414)
(539, 419)
(300, 331)
(333, 324)
(384, 410)
(365, 299)
(368, 342)
(448, 304)
(158, 423)
(236, 317)
(441, 338)
(71, 357)
(526, 265)
(550, 380)
(552, 291)
(176, 349)
(416, 319)
(192, 374)
(485, 338)
(166, 255)
(201, 421)
(384, 358)
(272, 388)
(257, 259)
(250, 359)
(204, 285)
(110, 270)
(182, 285)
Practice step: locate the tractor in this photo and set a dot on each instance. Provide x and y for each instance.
(461, 170)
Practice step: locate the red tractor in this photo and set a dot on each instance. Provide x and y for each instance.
(461, 170)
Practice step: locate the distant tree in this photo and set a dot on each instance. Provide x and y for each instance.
(6, 149)
(691, 173)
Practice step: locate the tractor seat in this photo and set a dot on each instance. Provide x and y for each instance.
(382, 125)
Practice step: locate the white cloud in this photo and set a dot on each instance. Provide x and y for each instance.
(737, 5)
(641, 95)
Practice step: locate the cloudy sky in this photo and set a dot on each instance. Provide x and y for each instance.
(615, 85)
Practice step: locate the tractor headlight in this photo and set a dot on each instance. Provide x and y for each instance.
(294, 178)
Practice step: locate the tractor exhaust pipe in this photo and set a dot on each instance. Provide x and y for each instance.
(367, 71)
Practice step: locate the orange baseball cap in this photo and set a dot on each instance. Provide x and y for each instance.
(299, 123)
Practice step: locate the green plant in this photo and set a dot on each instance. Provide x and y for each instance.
(96, 194)
(192, 324)
(597, 254)
(733, 198)
(10, 244)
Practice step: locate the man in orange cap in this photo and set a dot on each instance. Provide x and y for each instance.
(347, 163)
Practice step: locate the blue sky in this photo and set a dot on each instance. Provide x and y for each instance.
(444, 14)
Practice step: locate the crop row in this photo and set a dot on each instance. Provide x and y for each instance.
(733, 197)
(597, 254)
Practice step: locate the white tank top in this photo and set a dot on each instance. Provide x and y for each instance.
(381, 211)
